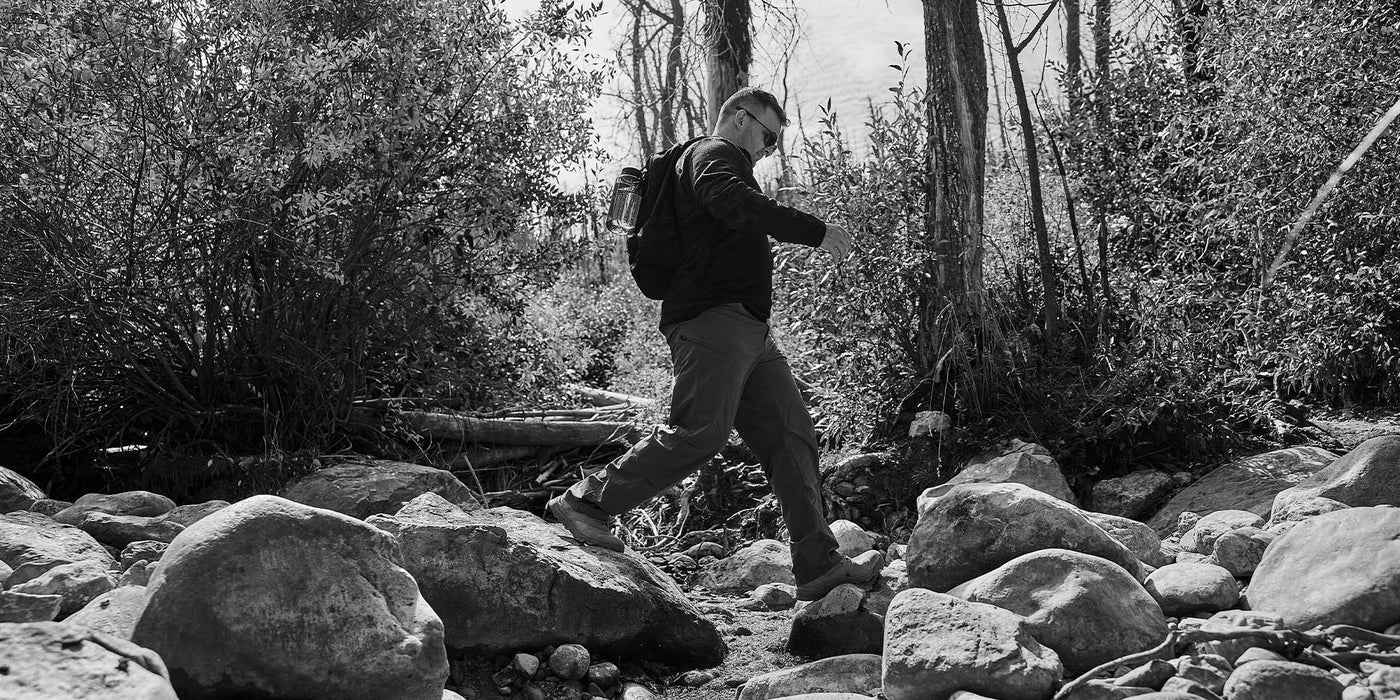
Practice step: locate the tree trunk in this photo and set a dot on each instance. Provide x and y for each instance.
(1074, 57)
(728, 52)
(1048, 282)
(1103, 90)
(956, 163)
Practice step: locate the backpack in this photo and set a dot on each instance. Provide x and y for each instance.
(654, 243)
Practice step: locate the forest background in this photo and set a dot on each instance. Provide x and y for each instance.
(227, 225)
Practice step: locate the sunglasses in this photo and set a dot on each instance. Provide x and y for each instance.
(770, 137)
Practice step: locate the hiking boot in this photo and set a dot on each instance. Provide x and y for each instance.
(585, 528)
(860, 570)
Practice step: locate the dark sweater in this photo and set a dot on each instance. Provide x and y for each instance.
(725, 222)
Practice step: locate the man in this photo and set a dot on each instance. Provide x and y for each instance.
(728, 373)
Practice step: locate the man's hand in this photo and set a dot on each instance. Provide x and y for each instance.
(837, 242)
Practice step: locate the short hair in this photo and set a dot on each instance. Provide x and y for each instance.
(752, 98)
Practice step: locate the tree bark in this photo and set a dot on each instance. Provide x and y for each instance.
(1074, 58)
(728, 52)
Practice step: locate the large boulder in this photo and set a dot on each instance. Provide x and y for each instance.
(936, 644)
(16, 491)
(504, 580)
(763, 562)
(1367, 476)
(143, 503)
(975, 528)
(851, 673)
(1084, 607)
(365, 487)
(1131, 495)
(114, 612)
(1336, 568)
(1247, 484)
(1184, 588)
(269, 598)
(121, 530)
(1034, 468)
(31, 543)
(50, 660)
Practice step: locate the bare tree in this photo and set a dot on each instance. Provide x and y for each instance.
(728, 51)
(1074, 58)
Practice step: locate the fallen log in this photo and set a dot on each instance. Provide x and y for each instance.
(603, 397)
(485, 431)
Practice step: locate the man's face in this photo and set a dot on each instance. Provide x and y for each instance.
(761, 131)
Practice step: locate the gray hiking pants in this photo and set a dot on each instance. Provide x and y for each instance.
(728, 374)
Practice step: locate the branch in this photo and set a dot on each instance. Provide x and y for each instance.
(1049, 9)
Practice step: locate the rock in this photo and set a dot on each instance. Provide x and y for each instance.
(1207, 670)
(1239, 551)
(852, 540)
(763, 562)
(1188, 688)
(570, 661)
(1181, 589)
(604, 675)
(893, 579)
(975, 528)
(634, 691)
(142, 503)
(1192, 558)
(1335, 568)
(31, 544)
(28, 607)
(16, 491)
(122, 530)
(700, 550)
(138, 574)
(1140, 539)
(273, 598)
(830, 696)
(772, 596)
(1131, 496)
(49, 660)
(836, 625)
(1302, 508)
(142, 550)
(365, 487)
(504, 580)
(1281, 680)
(1100, 689)
(48, 506)
(1201, 538)
(695, 679)
(190, 514)
(1258, 654)
(525, 664)
(849, 673)
(1149, 675)
(1367, 476)
(1247, 484)
(114, 612)
(1167, 695)
(1230, 620)
(1036, 470)
(78, 583)
(1084, 607)
(936, 644)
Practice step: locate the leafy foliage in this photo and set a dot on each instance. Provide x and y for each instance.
(231, 220)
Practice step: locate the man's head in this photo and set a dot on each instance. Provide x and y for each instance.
(752, 119)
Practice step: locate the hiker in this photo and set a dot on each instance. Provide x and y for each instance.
(727, 371)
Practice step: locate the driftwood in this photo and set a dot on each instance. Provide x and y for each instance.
(610, 399)
(484, 431)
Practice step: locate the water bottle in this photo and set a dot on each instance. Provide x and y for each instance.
(626, 201)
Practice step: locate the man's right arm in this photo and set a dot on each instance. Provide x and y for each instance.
(723, 190)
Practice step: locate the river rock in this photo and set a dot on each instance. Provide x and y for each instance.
(142, 550)
(1088, 609)
(1181, 589)
(268, 597)
(764, 561)
(1131, 496)
(851, 540)
(1239, 551)
(28, 607)
(893, 579)
(188, 515)
(1232, 620)
(78, 583)
(1035, 468)
(1281, 680)
(1336, 568)
(49, 506)
(1246, 484)
(976, 528)
(1302, 508)
(138, 574)
(504, 580)
(772, 596)
(936, 644)
(121, 530)
(1367, 476)
(836, 625)
(1201, 538)
(1206, 670)
(114, 612)
(849, 673)
(16, 491)
(1140, 539)
(31, 544)
(51, 660)
(365, 487)
(142, 503)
